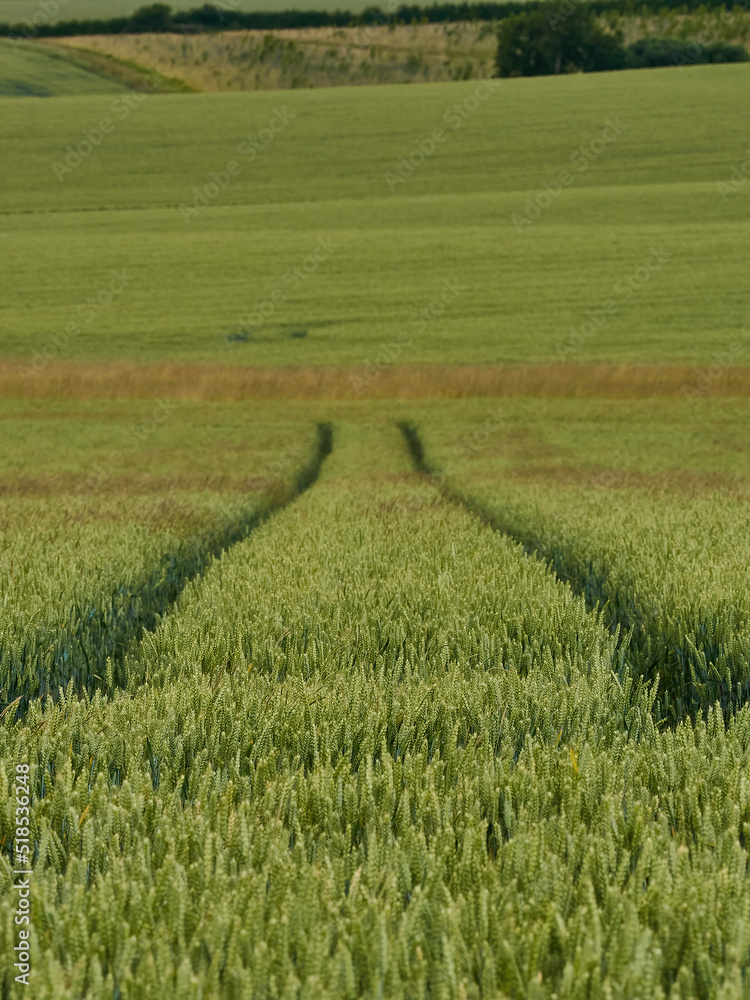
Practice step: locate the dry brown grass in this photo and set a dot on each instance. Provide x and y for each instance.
(139, 484)
(671, 24)
(125, 380)
(304, 57)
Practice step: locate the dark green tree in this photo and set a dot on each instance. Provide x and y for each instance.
(545, 42)
(155, 17)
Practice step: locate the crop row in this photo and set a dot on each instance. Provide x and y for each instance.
(670, 572)
(373, 754)
(76, 596)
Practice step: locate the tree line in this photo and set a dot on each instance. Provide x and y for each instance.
(572, 40)
(161, 17)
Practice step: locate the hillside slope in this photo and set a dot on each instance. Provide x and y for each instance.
(47, 71)
(372, 53)
(308, 57)
(392, 215)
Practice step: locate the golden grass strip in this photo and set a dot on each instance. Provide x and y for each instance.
(129, 380)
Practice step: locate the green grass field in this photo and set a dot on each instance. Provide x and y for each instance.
(323, 176)
(38, 71)
(183, 445)
(395, 698)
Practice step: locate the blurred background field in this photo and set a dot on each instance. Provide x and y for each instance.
(47, 71)
(522, 294)
(162, 447)
(594, 445)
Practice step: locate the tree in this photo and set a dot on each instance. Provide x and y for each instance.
(545, 42)
(156, 17)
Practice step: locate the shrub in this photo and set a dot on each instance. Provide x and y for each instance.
(675, 51)
(541, 43)
(156, 17)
